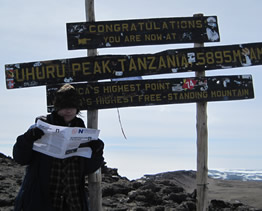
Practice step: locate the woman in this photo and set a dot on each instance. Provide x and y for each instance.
(52, 184)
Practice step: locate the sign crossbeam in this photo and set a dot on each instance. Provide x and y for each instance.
(105, 34)
(159, 91)
(118, 66)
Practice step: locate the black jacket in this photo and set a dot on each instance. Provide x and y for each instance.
(34, 192)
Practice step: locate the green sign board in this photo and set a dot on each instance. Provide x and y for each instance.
(118, 66)
(102, 95)
(105, 34)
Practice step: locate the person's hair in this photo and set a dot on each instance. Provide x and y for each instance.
(67, 97)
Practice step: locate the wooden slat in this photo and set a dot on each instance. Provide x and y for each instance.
(118, 66)
(160, 91)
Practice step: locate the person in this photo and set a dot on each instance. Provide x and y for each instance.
(212, 34)
(52, 184)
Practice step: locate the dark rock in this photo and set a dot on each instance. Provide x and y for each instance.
(172, 189)
(110, 190)
(219, 204)
(160, 192)
(6, 201)
(178, 197)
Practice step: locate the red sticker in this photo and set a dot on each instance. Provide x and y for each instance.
(189, 84)
(10, 83)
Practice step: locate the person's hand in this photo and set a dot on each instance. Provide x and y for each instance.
(97, 147)
(34, 134)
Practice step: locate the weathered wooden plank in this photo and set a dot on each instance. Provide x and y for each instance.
(159, 91)
(118, 66)
(106, 34)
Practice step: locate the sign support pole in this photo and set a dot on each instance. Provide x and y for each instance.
(94, 180)
(202, 146)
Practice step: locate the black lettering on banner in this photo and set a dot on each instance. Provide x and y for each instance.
(118, 66)
(102, 95)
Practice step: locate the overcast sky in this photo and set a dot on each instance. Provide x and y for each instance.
(159, 138)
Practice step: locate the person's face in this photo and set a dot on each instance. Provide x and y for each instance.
(67, 113)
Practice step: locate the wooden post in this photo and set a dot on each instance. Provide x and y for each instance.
(94, 180)
(202, 146)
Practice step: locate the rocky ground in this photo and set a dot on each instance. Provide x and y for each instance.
(169, 191)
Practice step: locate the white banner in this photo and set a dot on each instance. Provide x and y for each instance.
(63, 142)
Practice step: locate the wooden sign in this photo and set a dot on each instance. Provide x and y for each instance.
(118, 66)
(159, 91)
(105, 34)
